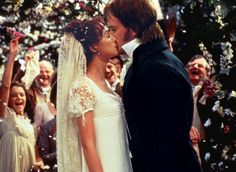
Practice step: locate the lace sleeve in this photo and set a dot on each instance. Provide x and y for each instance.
(81, 98)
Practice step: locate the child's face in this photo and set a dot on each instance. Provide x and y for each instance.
(17, 99)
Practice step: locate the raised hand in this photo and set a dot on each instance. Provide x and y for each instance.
(14, 47)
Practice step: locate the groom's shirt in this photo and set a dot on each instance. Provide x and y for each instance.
(129, 49)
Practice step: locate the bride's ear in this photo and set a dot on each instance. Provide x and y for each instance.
(93, 49)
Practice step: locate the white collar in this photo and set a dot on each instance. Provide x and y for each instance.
(130, 46)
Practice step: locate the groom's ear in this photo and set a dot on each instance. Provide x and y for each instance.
(133, 33)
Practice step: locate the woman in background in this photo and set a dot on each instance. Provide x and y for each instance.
(46, 141)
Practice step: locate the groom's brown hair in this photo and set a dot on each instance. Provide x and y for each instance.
(138, 15)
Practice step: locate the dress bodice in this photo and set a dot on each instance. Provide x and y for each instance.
(106, 103)
(18, 124)
(109, 124)
(17, 153)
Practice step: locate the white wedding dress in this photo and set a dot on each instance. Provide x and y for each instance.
(17, 141)
(110, 129)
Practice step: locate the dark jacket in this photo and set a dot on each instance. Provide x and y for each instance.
(159, 107)
(47, 143)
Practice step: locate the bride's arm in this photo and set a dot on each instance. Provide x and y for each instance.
(88, 140)
(7, 76)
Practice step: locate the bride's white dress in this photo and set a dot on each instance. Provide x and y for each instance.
(110, 128)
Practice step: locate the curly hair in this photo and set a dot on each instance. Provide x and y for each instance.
(87, 32)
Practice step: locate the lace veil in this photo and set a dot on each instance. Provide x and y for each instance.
(71, 65)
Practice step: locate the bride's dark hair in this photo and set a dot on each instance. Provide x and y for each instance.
(87, 32)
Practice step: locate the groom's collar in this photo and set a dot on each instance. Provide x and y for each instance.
(145, 50)
(131, 46)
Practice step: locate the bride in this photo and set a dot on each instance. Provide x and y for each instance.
(91, 126)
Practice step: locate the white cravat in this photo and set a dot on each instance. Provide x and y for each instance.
(129, 50)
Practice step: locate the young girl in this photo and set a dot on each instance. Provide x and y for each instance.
(17, 153)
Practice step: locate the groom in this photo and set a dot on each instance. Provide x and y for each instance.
(157, 92)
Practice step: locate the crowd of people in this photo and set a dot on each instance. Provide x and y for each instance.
(95, 113)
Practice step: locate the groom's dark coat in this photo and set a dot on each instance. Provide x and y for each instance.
(159, 108)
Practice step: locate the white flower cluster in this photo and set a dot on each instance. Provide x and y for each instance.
(226, 58)
(208, 57)
(218, 15)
